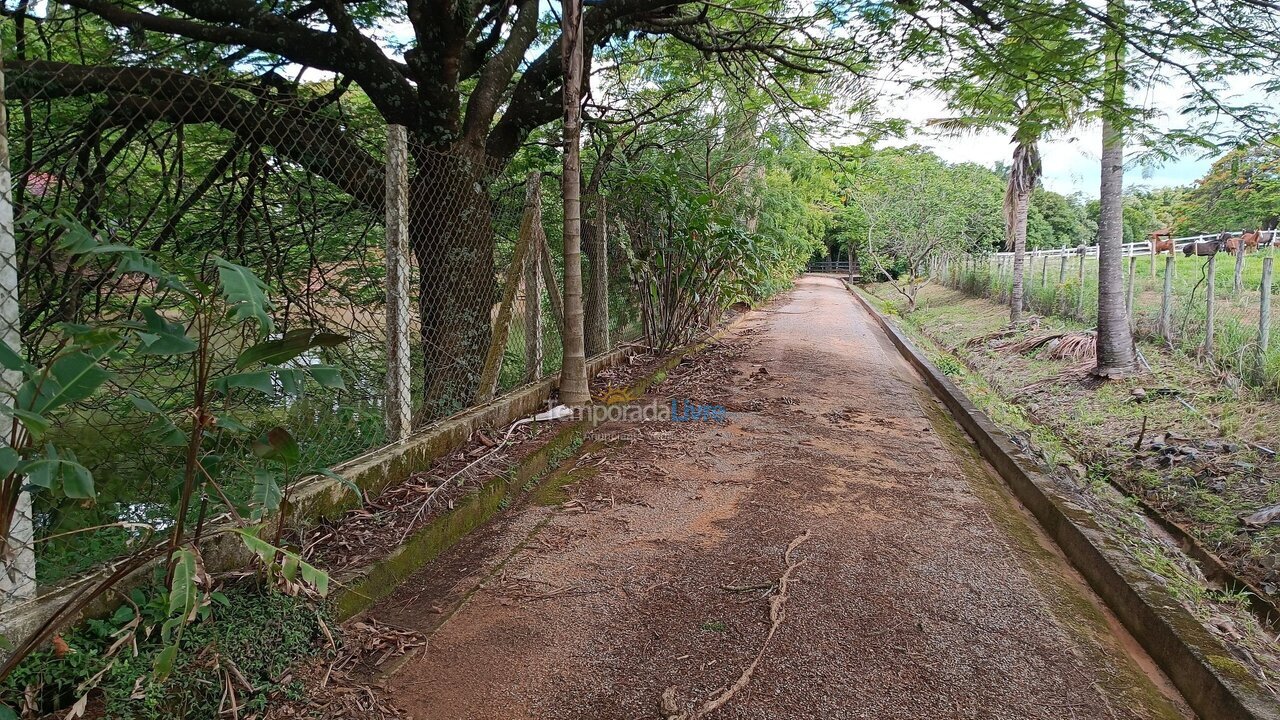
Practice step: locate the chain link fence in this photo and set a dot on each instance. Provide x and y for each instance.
(436, 266)
(285, 182)
(1209, 297)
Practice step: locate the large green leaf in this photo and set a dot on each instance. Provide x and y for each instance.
(266, 490)
(136, 262)
(327, 376)
(56, 471)
(263, 549)
(281, 350)
(164, 432)
(163, 337)
(11, 359)
(261, 380)
(9, 460)
(314, 576)
(267, 382)
(277, 444)
(246, 294)
(71, 378)
(164, 662)
(345, 482)
(182, 591)
(35, 423)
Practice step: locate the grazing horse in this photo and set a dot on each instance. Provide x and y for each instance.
(1208, 247)
(1249, 241)
(1252, 239)
(1157, 245)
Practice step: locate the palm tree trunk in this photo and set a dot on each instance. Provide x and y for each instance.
(1019, 233)
(573, 372)
(1116, 352)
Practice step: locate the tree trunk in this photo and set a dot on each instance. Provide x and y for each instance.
(573, 373)
(451, 233)
(596, 245)
(1116, 353)
(1019, 232)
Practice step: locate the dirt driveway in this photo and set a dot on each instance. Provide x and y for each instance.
(917, 588)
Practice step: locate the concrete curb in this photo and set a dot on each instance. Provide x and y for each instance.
(1212, 682)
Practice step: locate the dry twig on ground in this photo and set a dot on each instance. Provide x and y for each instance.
(777, 603)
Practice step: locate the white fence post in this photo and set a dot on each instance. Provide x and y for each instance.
(17, 554)
(398, 409)
(1080, 280)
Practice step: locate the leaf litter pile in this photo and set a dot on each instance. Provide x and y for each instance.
(386, 521)
(348, 684)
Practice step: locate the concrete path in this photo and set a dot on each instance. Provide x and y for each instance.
(920, 591)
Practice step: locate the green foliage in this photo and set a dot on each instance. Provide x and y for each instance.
(948, 365)
(1240, 192)
(694, 249)
(262, 633)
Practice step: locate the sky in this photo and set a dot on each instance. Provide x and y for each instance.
(1070, 160)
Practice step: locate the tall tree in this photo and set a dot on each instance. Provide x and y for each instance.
(1116, 354)
(573, 370)
(471, 84)
(1000, 86)
(1024, 173)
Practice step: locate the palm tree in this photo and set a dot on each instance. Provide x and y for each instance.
(1023, 176)
(1030, 124)
(573, 370)
(1116, 354)
(1002, 85)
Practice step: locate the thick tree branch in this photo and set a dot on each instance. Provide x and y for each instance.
(320, 144)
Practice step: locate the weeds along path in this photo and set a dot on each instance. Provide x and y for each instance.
(836, 550)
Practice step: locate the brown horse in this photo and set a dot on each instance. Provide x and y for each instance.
(1249, 241)
(1157, 245)
(1208, 247)
(1252, 239)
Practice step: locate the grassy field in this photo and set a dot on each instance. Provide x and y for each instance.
(1235, 350)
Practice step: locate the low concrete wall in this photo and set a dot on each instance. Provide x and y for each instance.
(314, 499)
(376, 580)
(1213, 683)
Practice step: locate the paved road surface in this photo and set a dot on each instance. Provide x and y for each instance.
(921, 592)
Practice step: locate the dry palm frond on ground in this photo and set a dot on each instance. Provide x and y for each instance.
(1077, 346)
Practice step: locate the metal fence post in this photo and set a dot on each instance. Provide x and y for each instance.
(1208, 316)
(398, 408)
(1166, 302)
(1264, 309)
(18, 579)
